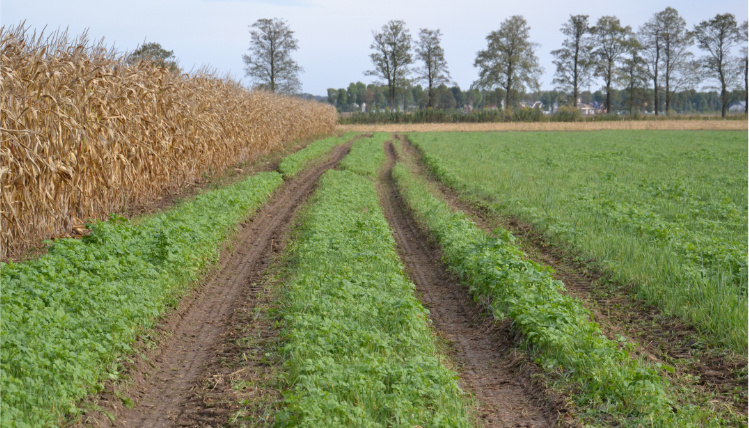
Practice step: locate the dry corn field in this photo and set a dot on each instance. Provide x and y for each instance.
(82, 134)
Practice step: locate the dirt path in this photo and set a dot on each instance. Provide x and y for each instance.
(164, 392)
(659, 338)
(483, 350)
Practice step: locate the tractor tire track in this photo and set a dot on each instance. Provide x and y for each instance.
(165, 391)
(489, 368)
(659, 338)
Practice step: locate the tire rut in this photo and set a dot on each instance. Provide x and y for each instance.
(165, 391)
(660, 338)
(497, 376)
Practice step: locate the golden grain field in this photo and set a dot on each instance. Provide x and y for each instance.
(83, 134)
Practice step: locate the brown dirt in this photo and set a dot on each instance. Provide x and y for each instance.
(484, 351)
(690, 125)
(165, 386)
(659, 338)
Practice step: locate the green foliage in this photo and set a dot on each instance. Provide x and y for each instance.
(358, 349)
(527, 115)
(609, 381)
(665, 211)
(366, 155)
(292, 164)
(67, 315)
(567, 114)
(153, 52)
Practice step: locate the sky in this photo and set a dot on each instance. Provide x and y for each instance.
(334, 35)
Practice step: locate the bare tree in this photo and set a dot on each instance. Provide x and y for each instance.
(509, 60)
(434, 72)
(717, 36)
(392, 56)
(269, 63)
(574, 61)
(612, 41)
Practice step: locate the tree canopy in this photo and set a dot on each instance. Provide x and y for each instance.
(717, 36)
(392, 56)
(574, 61)
(434, 71)
(269, 63)
(509, 61)
(155, 53)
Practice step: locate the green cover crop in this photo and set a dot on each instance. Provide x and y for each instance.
(295, 162)
(608, 380)
(358, 351)
(366, 155)
(68, 315)
(664, 210)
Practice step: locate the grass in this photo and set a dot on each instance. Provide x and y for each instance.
(359, 350)
(606, 379)
(68, 315)
(664, 211)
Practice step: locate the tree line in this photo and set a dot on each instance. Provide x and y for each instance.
(650, 69)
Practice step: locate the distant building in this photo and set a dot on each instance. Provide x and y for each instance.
(737, 107)
(586, 109)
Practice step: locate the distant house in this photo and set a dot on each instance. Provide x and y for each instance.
(737, 107)
(532, 104)
(586, 109)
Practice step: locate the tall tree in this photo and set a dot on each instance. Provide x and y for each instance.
(509, 60)
(717, 36)
(745, 63)
(649, 36)
(574, 61)
(633, 74)
(667, 41)
(269, 62)
(611, 42)
(392, 56)
(434, 72)
(153, 52)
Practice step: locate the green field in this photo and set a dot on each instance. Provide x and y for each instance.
(665, 210)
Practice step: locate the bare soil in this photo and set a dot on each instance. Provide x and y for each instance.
(659, 338)
(166, 385)
(500, 379)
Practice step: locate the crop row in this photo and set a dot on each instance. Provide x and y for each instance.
(359, 350)
(666, 212)
(292, 164)
(68, 316)
(84, 133)
(608, 380)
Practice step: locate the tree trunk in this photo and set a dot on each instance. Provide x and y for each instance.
(746, 85)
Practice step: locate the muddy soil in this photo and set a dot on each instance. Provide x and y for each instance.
(165, 386)
(659, 338)
(490, 369)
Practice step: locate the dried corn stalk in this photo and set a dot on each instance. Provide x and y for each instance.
(82, 134)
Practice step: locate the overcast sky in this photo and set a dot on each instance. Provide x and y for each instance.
(334, 35)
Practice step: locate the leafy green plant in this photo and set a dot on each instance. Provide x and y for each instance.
(665, 211)
(294, 163)
(68, 315)
(609, 381)
(358, 348)
(366, 155)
